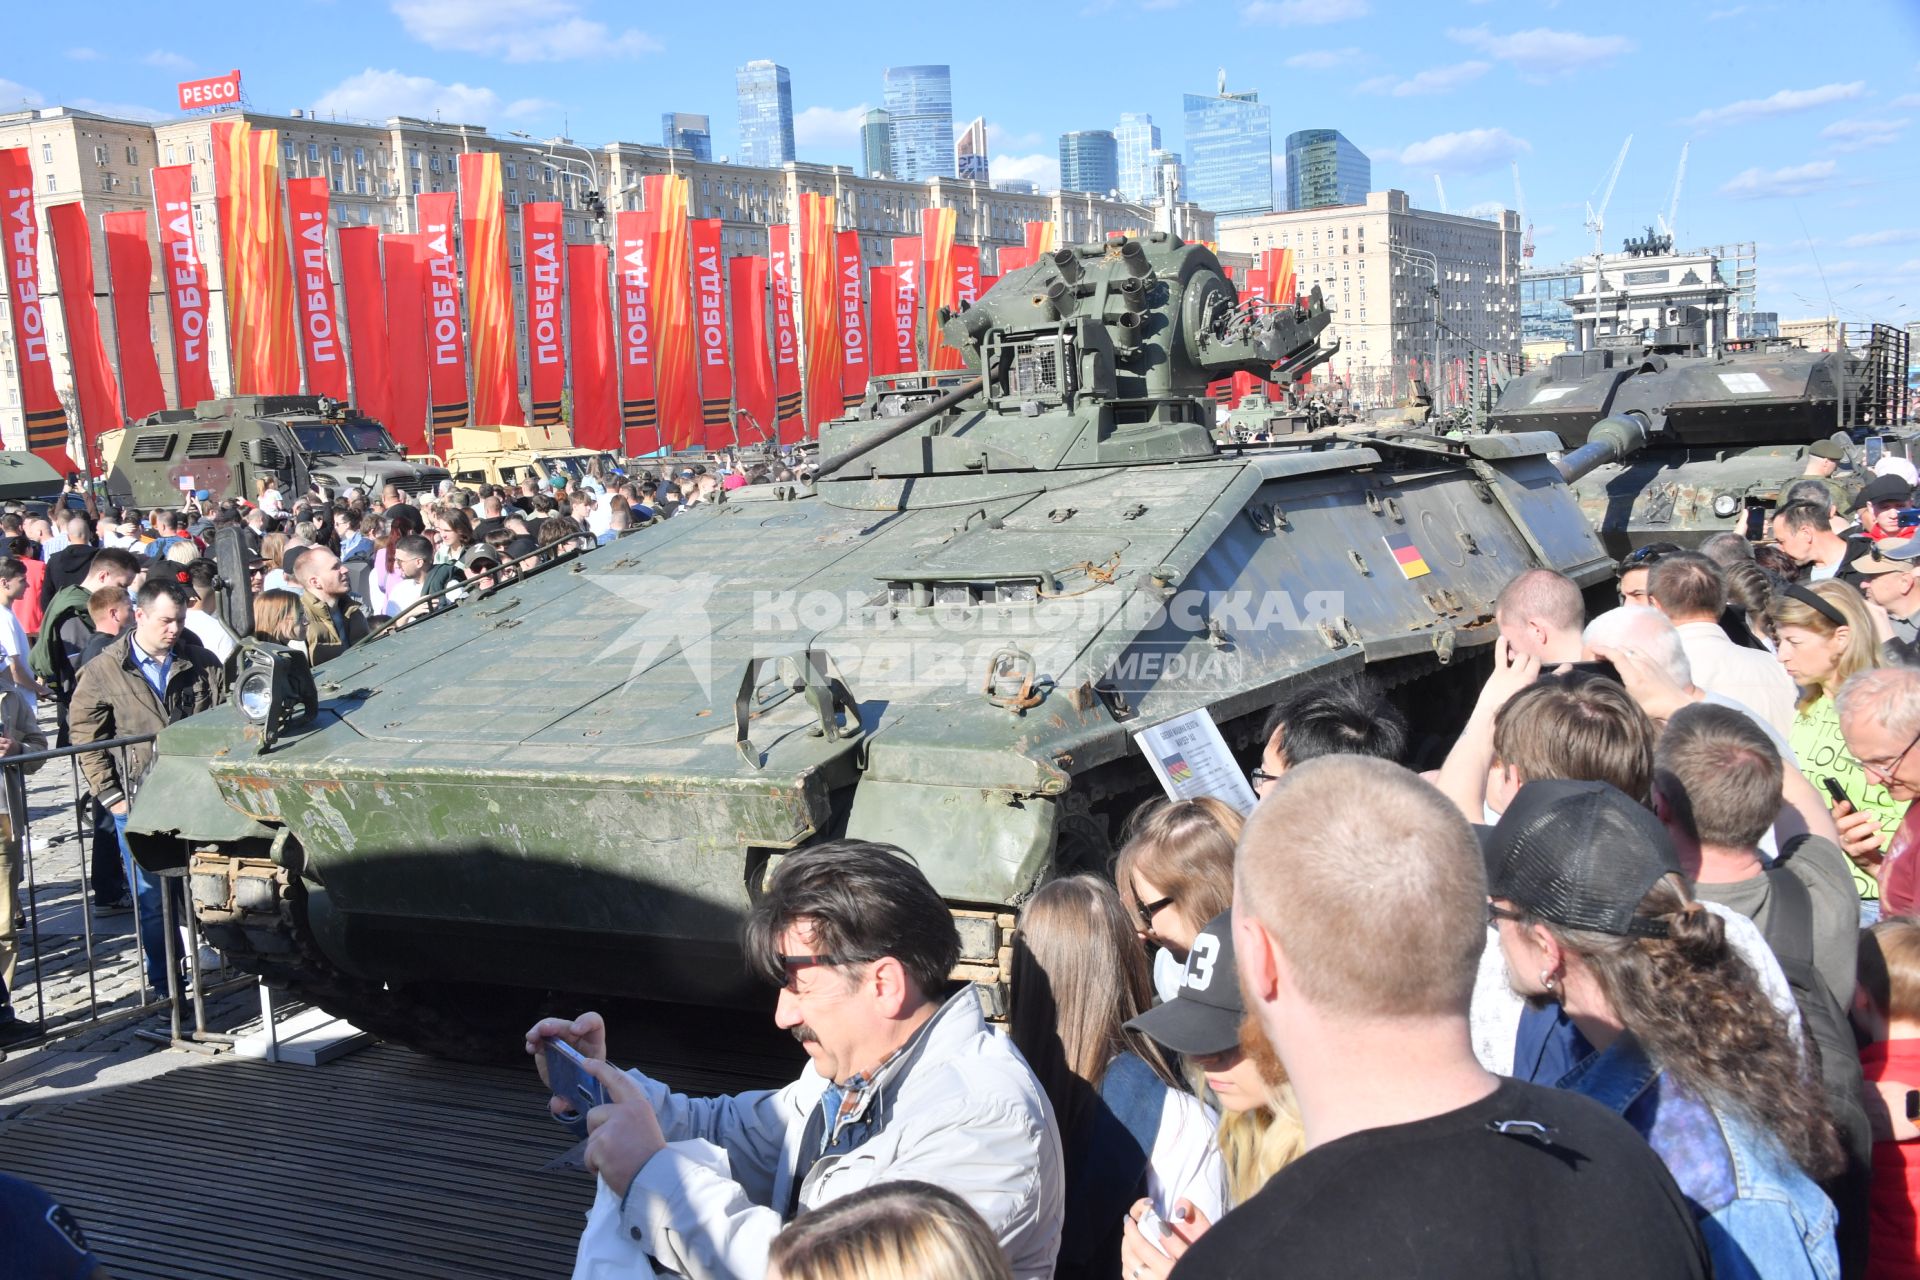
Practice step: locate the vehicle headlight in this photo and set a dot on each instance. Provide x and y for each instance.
(1725, 504)
(256, 695)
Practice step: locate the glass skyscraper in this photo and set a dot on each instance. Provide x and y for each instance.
(1323, 168)
(687, 131)
(876, 144)
(766, 114)
(970, 152)
(1089, 161)
(919, 104)
(1138, 137)
(1229, 152)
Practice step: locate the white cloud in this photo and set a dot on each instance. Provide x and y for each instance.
(1905, 100)
(1321, 59)
(1542, 51)
(1775, 104)
(518, 30)
(1039, 168)
(84, 54)
(1432, 80)
(1469, 151)
(999, 137)
(825, 127)
(375, 95)
(1794, 180)
(1858, 135)
(1869, 239)
(13, 95)
(1303, 13)
(167, 59)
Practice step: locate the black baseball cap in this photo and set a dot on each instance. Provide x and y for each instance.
(1581, 855)
(1204, 1018)
(1884, 490)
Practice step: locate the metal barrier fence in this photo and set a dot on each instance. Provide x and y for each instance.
(48, 956)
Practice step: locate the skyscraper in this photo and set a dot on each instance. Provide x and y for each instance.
(876, 144)
(1089, 161)
(1229, 151)
(1138, 137)
(1323, 168)
(689, 132)
(920, 102)
(766, 114)
(1169, 177)
(970, 152)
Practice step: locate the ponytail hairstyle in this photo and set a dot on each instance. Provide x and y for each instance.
(1697, 1010)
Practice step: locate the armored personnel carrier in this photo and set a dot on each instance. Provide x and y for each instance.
(480, 455)
(225, 447)
(570, 786)
(1727, 430)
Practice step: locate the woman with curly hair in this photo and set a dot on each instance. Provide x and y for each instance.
(1586, 890)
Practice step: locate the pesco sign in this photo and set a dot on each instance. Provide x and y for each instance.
(218, 91)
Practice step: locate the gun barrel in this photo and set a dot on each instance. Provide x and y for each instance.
(1610, 440)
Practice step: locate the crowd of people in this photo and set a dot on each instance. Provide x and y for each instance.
(1625, 982)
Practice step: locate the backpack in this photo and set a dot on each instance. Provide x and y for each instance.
(1789, 932)
(48, 657)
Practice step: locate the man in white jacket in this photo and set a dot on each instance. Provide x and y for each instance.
(903, 1084)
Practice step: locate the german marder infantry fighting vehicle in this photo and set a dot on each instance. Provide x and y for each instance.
(224, 447)
(1727, 430)
(570, 786)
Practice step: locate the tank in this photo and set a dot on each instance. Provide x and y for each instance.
(1728, 431)
(570, 787)
(225, 447)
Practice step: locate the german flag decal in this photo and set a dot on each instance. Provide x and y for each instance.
(1407, 556)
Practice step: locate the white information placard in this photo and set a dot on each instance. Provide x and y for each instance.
(1744, 384)
(1191, 760)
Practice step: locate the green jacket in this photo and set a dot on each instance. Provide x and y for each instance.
(49, 658)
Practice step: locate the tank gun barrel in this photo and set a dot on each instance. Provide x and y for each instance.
(1610, 440)
(924, 413)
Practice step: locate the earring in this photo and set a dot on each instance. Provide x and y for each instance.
(1546, 979)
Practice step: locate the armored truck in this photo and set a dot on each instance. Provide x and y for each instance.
(572, 785)
(225, 447)
(505, 455)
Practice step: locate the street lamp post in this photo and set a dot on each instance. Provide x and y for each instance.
(1429, 260)
(591, 170)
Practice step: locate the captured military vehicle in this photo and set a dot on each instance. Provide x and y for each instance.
(225, 447)
(505, 455)
(1727, 430)
(571, 786)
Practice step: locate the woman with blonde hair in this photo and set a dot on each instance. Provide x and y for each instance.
(1175, 873)
(276, 616)
(1824, 637)
(1224, 1050)
(1126, 1127)
(892, 1231)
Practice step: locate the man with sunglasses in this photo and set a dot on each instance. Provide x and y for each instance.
(907, 1081)
(1635, 568)
(1880, 719)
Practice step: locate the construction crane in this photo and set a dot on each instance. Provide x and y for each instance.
(1443, 194)
(1597, 218)
(1668, 223)
(1520, 207)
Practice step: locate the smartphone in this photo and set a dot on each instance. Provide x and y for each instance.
(1152, 1228)
(567, 1076)
(1837, 792)
(1909, 517)
(1876, 449)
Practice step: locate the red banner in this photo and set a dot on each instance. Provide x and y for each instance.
(937, 284)
(753, 375)
(853, 321)
(93, 382)
(966, 274)
(987, 283)
(639, 411)
(906, 301)
(596, 393)
(543, 255)
(710, 335)
(446, 343)
(786, 348)
(407, 340)
(882, 284)
(483, 231)
(1039, 241)
(183, 275)
(1013, 258)
(215, 91)
(130, 280)
(46, 419)
(820, 308)
(369, 348)
(670, 298)
(313, 288)
(254, 260)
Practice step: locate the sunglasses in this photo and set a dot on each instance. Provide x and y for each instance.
(1885, 772)
(1148, 910)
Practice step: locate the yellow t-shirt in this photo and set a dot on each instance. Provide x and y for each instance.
(1823, 753)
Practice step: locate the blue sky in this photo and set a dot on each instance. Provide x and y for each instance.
(1802, 118)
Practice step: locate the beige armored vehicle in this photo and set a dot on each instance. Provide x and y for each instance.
(504, 455)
